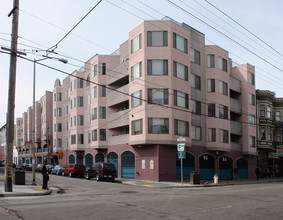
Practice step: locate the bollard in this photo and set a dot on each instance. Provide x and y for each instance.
(215, 177)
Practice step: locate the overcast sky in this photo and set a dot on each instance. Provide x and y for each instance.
(43, 23)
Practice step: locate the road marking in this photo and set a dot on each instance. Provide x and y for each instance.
(147, 185)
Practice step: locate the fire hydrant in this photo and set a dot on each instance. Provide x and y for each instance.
(215, 177)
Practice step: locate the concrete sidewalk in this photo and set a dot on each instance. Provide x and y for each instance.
(24, 190)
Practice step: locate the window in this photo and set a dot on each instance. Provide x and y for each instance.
(222, 64)
(80, 138)
(252, 141)
(181, 128)
(223, 111)
(222, 87)
(211, 110)
(73, 121)
(94, 92)
(195, 81)
(88, 138)
(80, 83)
(54, 112)
(223, 136)
(80, 101)
(88, 80)
(136, 99)
(59, 142)
(251, 77)
(88, 118)
(196, 107)
(158, 125)
(157, 67)
(268, 111)
(196, 133)
(94, 71)
(252, 120)
(67, 126)
(67, 93)
(136, 44)
(59, 112)
(194, 56)
(54, 97)
(180, 43)
(102, 112)
(210, 61)
(102, 91)
(73, 85)
(94, 135)
(67, 109)
(137, 127)
(102, 134)
(158, 96)
(277, 116)
(263, 134)
(181, 99)
(54, 127)
(251, 99)
(93, 113)
(73, 103)
(102, 69)
(88, 99)
(59, 127)
(262, 110)
(211, 85)
(136, 71)
(80, 120)
(73, 139)
(157, 38)
(59, 96)
(212, 135)
(180, 71)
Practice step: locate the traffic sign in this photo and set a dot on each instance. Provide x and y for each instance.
(181, 155)
(181, 147)
(60, 153)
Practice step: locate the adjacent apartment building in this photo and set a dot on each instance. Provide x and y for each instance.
(130, 107)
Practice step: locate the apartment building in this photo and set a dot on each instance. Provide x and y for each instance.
(269, 139)
(130, 107)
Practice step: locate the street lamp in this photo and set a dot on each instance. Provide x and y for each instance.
(33, 114)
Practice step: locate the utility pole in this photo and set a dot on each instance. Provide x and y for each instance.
(11, 99)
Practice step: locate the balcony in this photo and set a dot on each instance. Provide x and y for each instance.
(118, 119)
(236, 146)
(236, 128)
(266, 145)
(115, 98)
(118, 73)
(119, 139)
(235, 85)
(235, 106)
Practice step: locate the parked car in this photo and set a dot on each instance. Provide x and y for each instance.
(29, 167)
(49, 167)
(74, 170)
(24, 166)
(38, 167)
(101, 171)
(58, 170)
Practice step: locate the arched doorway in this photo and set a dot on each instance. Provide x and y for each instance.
(88, 160)
(128, 165)
(113, 158)
(99, 157)
(188, 166)
(80, 159)
(243, 168)
(206, 167)
(225, 168)
(71, 159)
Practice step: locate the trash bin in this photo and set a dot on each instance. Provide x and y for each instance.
(194, 178)
(19, 177)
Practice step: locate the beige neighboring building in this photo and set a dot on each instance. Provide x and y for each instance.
(130, 107)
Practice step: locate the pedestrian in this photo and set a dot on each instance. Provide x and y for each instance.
(45, 176)
(235, 171)
(257, 172)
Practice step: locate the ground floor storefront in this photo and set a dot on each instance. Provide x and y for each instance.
(161, 163)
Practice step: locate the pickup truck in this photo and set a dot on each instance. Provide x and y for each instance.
(101, 171)
(74, 170)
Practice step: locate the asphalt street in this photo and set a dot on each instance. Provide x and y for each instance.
(88, 199)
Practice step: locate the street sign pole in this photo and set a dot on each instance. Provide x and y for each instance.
(181, 153)
(182, 171)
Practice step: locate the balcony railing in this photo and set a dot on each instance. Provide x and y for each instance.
(118, 97)
(236, 127)
(118, 139)
(235, 106)
(118, 119)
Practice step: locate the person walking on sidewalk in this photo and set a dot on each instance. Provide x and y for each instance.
(235, 171)
(45, 176)
(257, 172)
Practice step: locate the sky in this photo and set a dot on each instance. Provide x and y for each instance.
(42, 24)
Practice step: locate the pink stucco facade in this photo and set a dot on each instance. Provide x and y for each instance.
(130, 107)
